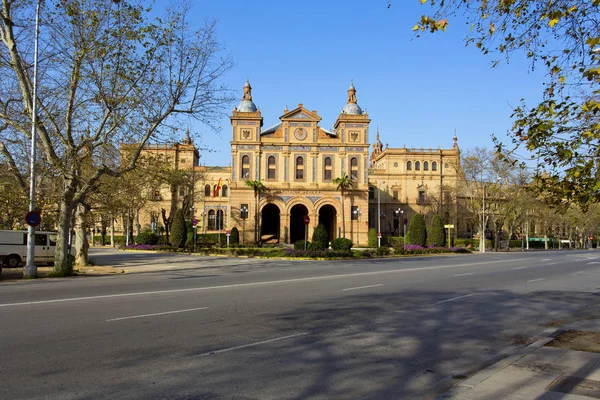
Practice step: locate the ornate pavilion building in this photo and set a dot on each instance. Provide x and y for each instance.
(297, 160)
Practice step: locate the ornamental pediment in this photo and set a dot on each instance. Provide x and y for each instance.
(300, 113)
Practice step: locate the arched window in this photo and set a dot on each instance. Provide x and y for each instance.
(245, 167)
(219, 221)
(354, 168)
(434, 166)
(425, 166)
(207, 190)
(299, 168)
(215, 191)
(409, 166)
(271, 167)
(417, 165)
(224, 190)
(327, 169)
(371, 193)
(212, 221)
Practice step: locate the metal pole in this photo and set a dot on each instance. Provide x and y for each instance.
(404, 241)
(195, 237)
(243, 229)
(378, 217)
(30, 270)
(483, 221)
(305, 235)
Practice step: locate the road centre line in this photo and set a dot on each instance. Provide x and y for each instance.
(519, 267)
(155, 314)
(575, 273)
(537, 280)
(470, 273)
(455, 298)
(252, 344)
(362, 287)
(545, 259)
(311, 278)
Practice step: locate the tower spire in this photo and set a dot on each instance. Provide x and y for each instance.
(247, 91)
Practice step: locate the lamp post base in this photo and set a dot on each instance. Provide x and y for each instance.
(29, 271)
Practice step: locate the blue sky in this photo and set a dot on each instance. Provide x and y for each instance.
(416, 90)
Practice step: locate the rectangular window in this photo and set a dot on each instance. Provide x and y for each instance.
(41, 239)
(354, 213)
(421, 199)
(395, 194)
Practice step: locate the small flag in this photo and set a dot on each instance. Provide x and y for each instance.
(217, 188)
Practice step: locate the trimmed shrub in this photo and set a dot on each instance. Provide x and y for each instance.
(320, 239)
(178, 230)
(382, 251)
(417, 233)
(234, 237)
(162, 240)
(372, 237)
(341, 244)
(436, 235)
(299, 245)
(395, 241)
(146, 238)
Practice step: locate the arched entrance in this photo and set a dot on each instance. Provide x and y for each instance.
(297, 214)
(328, 217)
(269, 224)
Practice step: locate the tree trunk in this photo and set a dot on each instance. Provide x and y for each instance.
(138, 227)
(112, 230)
(81, 242)
(62, 262)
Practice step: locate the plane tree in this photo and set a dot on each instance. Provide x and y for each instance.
(561, 133)
(109, 72)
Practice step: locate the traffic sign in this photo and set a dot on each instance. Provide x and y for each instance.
(306, 220)
(449, 226)
(194, 222)
(405, 221)
(228, 233)
(379, 234)
(33, 218)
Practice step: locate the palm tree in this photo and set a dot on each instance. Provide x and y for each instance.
(344, 185)
(258, 188)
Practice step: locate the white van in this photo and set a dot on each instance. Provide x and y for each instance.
(13, 247)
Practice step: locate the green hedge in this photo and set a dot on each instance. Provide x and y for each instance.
(299, 245)
(341, 244)
(146, 238)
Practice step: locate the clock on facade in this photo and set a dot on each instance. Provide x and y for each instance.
(300, 134)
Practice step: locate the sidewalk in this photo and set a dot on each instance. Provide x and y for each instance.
(537, 372)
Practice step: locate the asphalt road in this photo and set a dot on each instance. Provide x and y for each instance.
(252, 329)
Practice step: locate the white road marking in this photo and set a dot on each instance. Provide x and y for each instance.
(155, 314)
(470, 273)
(550, 264)
(575, 273)
(252, 344)
(362, 287)
(546, 259)
(455, 298)
(593, 262)
(312, 278)
(537, 280)
(519, 267)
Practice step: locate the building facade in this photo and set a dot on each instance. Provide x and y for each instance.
(297, 161)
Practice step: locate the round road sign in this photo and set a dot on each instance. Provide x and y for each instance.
(33, 218)
(306, 220)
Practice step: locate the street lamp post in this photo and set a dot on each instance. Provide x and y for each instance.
(30, 270)
(379, 214)
(357, 212)
(243, 215)
(400, 213)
